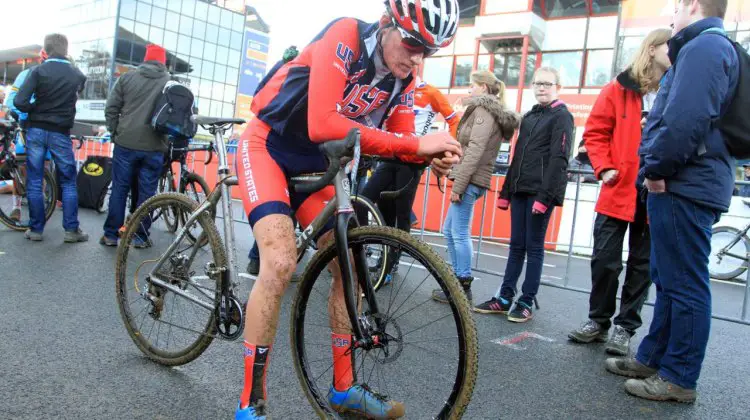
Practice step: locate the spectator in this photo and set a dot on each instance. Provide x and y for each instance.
(613, 135)
(139, 150)
(483, 126)
(581, 162)
(744, 190)
(689, 175)
(535, 184)
(54, 85)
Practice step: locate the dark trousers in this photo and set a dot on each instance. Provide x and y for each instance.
(391, 176)
(126, 163)
(527, 233)
(606, 266)
(681, 243)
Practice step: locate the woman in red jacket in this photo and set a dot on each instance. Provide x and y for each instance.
(613, 136)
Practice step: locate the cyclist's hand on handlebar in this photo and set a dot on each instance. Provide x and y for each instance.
(442, 165)
(437, 144)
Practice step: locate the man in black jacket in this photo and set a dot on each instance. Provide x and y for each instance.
(49, 96)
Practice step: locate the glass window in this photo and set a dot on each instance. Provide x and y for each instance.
(602, 32)
(238, 22)
(222, 55)
(170, 41)
(225, 36)
(437, 71)
(507, 67)
(226, 19)
(143, 14)
(188, 7)
(201, 10)
(565, 34)
(183, 45)
(156, 35)
(195, 67)
(568, 64)
(159, 3)
(626, 50)
(234, 58)
(464, 65)
(205, 88)
(196, 49)
(483, 62)
(562, 8)
(220, 73)
(208, 71)
(199, 29)
(599, 67)
(232, 75)
(173, 21)
(605, 6)
(127, 9)
(142, 31)
(212, 33)
(186, 25)
(744, 39)
(228, 110)
(127, 24)
(215, 109)
(174, 5)
(158, 16)
(217, 92)
(214, 15)
(209, 51)
(505, 6)
(236, 41)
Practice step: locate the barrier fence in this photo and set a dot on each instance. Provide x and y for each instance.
(499, 222)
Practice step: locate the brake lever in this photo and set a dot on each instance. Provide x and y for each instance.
(210, 154)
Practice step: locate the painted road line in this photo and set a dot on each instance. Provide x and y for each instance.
(485, 254)
(514, 341)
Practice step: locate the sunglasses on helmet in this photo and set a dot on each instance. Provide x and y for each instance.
(413, 44)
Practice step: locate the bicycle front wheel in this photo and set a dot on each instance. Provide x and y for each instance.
(171, 325)
(727, 267)
(427, 351)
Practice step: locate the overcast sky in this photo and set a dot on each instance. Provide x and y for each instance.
(292, 22)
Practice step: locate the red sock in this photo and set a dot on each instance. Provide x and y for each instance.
(343, 371)
(256, 361)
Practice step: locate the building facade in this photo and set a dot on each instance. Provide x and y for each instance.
(588, 41)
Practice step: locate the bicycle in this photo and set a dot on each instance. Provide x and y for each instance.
(730, 252)
(13, 168)
(381, 334)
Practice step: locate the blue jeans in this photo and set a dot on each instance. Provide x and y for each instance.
(457, 230)
(39, 142)
(527, 233)
(680, 245)
(127, 165)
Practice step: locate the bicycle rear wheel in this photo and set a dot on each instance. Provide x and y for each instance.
(727, 267)
(428, 352)
(168, 327)
(15, 215)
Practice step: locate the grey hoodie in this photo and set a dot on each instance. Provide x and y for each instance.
(131, 104)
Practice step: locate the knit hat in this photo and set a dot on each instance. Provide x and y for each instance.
(155, 53)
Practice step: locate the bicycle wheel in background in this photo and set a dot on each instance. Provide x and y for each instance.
(380, 257)
(169, 214)
(426, 356)
(168, 328)
(728, 267)
(197, 190)
(18, 220)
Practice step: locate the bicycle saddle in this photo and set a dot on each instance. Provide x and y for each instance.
(201, 120)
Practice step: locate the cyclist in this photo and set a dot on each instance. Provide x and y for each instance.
(353, 75)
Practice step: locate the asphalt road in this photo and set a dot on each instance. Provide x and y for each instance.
(64, 352)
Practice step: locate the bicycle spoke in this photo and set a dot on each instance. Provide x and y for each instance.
(425, 325)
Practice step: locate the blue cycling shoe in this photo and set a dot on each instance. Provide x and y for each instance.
(360, 399)
(256, 411)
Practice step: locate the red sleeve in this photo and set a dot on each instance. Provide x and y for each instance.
(331, 57)
(600, 127)
(441, 105)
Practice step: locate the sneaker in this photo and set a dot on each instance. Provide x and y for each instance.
(628, 367)
(392, 275)
(657, 388)
(15, 215)
(139, 243)
(589, 332)
(255, 411)
(73, 236)
(521, 313)
(33, 236)
(494, 306)
(619, 343)
(439, 296)
(253, 267)
(107, 241)
(359, 399)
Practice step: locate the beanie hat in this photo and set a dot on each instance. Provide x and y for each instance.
(155, 53)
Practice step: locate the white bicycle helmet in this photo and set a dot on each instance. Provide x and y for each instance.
(431, 22)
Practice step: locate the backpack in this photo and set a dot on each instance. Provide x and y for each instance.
(172, 111)
(93, 182)
(735, 124)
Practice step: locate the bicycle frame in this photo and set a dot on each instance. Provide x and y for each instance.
(725, 251)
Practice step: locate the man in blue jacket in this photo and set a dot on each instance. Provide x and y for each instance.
(689, 174)
(55, 85)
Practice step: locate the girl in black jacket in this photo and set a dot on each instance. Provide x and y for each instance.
(534, 186)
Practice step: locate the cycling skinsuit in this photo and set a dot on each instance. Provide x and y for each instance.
(428, 102)
(338, 82)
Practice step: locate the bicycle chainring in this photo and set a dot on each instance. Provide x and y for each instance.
(231, 321)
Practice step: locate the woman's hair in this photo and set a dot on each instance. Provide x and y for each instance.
(641, 69)
(551, 70)
(495, 87)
